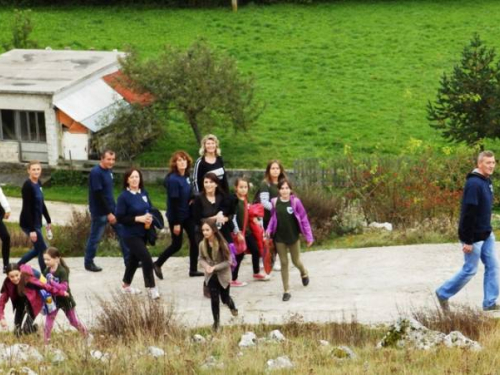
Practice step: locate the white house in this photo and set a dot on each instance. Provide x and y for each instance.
(52, 101)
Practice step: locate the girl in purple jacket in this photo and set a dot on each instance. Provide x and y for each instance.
(288, 221)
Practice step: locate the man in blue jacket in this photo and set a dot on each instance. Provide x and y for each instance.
(102, 208)
(476, 235)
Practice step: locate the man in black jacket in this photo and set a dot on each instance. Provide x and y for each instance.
(476, 235)
(102, 208)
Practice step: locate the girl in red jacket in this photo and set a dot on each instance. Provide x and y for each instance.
(22, 287)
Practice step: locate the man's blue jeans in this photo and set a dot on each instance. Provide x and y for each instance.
(38, 249)
(484, 250)
(97, 228)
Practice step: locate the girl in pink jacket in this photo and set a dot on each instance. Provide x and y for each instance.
(22, 287)
(288, 221)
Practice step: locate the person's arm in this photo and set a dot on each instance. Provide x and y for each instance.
(4, 202)
(28, 197)
(468, 224)
(304, 220)
(198, 176)
(46, 214)
(4, 298)
(173, 191)
(197, 210)
(101, 200)
(121, 212)
(221, 266)
(224, 182)
(202, 261)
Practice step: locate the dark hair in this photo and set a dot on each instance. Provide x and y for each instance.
(54, 253)
(23, 280)
(239, 179)
(283, 182)
(128, 174)
(267, 174)
(172, 164)
(212, 177)
(106, 151)
(223, 246)
(12, 267)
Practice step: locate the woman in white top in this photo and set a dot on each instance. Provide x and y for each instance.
(4, 234)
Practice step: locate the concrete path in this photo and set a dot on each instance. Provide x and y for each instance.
(60, 213)
(373, 285)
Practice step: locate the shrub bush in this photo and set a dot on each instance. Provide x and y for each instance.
(132, 316)
(67, 177)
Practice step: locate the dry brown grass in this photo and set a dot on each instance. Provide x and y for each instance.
(135, 316)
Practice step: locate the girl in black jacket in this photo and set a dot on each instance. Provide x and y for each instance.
(31, 214)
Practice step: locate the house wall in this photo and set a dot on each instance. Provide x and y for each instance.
(27, 102)
(75, 146)
(9, 152)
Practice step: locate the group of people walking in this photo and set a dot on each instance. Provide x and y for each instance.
(220, 227)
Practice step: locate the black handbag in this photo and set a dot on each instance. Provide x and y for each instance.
(151, 233)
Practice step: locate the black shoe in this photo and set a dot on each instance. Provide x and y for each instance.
(215, 326)
(234, 312)
(157, 270)
(93, 268)
(195, 273)
(286, 296)
(305, 281)
(494, 307)
(443, 303)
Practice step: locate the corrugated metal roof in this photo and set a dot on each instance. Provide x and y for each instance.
(92, 104)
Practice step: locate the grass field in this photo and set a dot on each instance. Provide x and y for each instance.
(355, 72)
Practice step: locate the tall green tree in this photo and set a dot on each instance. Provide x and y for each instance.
(204, 85)
(467, 107)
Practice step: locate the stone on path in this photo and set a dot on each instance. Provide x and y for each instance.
(276, 335)
(279, 363)
(248, 339)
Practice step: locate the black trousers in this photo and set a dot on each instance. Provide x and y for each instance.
(254, 250)
(216, 292)
(138, 253)
(188, 226)
(5, 237)
(22, 309)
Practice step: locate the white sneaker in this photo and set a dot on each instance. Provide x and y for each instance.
(154, 293)
(277, 267)
(130, 290)
(261, 264)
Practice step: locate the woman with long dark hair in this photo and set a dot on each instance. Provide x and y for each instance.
(4, 233)
(133, 211)
(179, 198)
(215, 260)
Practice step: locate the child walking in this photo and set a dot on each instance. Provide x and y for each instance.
(23, 288)
(243, 232)
(215, 259)
(288, 221)
(57, 274)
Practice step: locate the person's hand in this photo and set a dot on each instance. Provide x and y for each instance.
(66, 294)
(467, 249)
(240, 237)
(111, 219)
(33, 236)
(149, 219)
(309, 244)
(256, 220)
(6, 216)
(3, 322)
(209, 269)
(49, 226)
(177, 229)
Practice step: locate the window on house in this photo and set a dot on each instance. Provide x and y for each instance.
(7, 120)
(26, 126)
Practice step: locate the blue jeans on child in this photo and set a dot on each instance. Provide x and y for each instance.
(484, 250)
(97, 228)
(38, 249)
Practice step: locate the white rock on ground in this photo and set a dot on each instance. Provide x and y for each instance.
(408, 332)
(279, 363)
(212, 362)
(248, 339)
(99, 356)
(57, 355)
(19, 353)
(276, 335)
(155, 352)
(199, 339)
(386, 226)
(343, 352)
(324, 342)
(457, 339)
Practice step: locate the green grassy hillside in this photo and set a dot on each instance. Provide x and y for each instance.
(356, 73)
